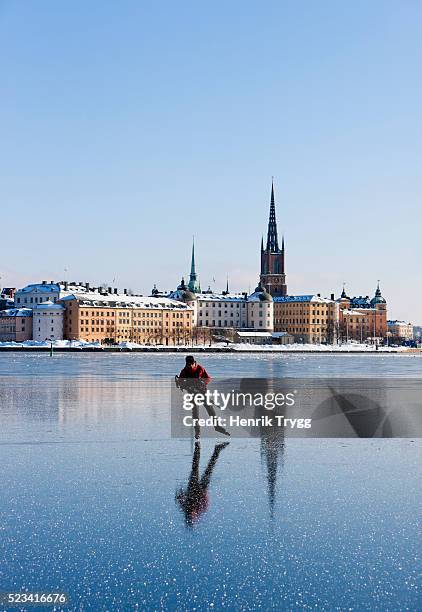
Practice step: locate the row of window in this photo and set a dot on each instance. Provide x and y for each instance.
(286, 321)
(36, 300)
(136, 314)
(225, 323)
(144, 325)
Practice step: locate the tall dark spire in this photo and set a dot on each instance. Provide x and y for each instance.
(273, 277)
(272, 239)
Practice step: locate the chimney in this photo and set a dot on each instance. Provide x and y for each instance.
(87, 286)
(318, 294)
(51, 282)
(115, 291)
(44, 282)
(109, 289)
(66, 285)
(125, 291)
(332, 296)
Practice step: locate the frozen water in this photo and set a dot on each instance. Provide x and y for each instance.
(99, 502)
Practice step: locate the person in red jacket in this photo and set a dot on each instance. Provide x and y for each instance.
(195, 378)
(194, 370)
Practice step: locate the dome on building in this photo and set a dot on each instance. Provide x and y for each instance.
(184, 294)
(262, 294)
(344, 297)
(378, 299)
(188, 296)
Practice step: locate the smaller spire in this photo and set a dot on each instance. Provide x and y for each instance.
(192, 265)
(227, 285)
(194, 284)
(262, 244)
(343, 293)
(282, 243)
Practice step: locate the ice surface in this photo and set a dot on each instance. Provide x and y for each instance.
(96, 494)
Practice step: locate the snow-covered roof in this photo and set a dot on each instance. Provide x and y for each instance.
(254, 334)
(16, 312)
(229, 297)
(112, 300)
(301, 298)
(40, 288)
(280, 334)
(360, 302)
(353, 313)
(48, 305)
(51, 287)
(396, 322)
(221, 297)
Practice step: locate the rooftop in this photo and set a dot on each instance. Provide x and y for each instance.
(221, 297)
(16, 312)
(254, 334)
(302, 298)
(111, 300)
(48, 305)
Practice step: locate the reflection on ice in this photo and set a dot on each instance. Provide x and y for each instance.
(97, 497)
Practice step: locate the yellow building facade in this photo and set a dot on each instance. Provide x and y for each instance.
(310, 319)
(111, 319)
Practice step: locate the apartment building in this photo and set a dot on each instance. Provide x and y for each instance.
(15, 325)
(363, 319)
(113, 318)
(400, 330)
(219, 311)
(310, 319)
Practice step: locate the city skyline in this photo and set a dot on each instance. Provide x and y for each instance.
(130, 133)
(269, 248)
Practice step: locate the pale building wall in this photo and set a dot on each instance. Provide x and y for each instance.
(234, 312)
(48, 321)
(400, 329)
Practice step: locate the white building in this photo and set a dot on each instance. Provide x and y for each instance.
(229, 310)
(48, 319)
(36, 293)
(400, 330)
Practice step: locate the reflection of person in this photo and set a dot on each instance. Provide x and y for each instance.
(194, 499)
(194, 378)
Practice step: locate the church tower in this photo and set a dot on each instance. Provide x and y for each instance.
(193, 283)
(272, 275)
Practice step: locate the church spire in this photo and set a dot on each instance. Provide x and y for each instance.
(273, 277)
(193, 277)
(272, 239)
(192, 265)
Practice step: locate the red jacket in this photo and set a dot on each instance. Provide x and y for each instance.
(197, 372)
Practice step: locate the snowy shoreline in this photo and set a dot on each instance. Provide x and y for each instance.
(76, 345)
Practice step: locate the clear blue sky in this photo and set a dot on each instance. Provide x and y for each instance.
(128, 126)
